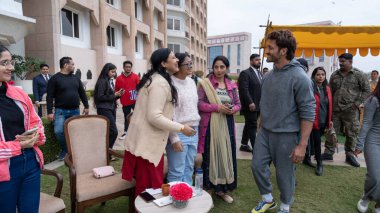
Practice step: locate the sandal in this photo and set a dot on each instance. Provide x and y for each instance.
(226, 198)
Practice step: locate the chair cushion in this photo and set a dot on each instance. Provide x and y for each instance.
(50, 204)
(88, 187)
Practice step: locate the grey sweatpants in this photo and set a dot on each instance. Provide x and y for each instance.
(276, 148)
(372, 180)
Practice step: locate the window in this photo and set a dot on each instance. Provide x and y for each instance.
(111, 2)
(111, 37)
(174, 2)
(174, 24)
(213, 52)
(139, 46)
(138, 10)
(155, 20)
(238, 71)
(238, 54)
(69, 23)
(175, 47)
(229, 52)
(322, 57)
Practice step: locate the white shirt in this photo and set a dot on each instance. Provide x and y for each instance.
(258, 75)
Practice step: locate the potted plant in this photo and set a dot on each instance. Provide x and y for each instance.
(181, 193)
(25, 66)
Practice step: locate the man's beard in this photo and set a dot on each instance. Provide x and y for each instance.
(256, 66)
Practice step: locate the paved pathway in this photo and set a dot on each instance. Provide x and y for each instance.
(339, 158)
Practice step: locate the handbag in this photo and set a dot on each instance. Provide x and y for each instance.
(331, 136)
(104, 171)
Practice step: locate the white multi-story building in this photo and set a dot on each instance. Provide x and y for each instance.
(236, 47)
(187, 29)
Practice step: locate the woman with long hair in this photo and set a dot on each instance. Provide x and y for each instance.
(181, 149)
(323, 113)
(369, 142)
(105, 98)
(21, 159)
(218, 102)
(151, 123)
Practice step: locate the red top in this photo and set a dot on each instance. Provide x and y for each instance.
(128, 83)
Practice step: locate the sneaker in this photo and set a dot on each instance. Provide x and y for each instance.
(122, 137)
(245, 148)
(283, 211)
(363, 205)
(61, 156)
(326, 156)
(263, 206)
(226, 198)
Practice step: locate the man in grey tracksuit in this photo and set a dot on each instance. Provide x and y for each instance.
(287, 112)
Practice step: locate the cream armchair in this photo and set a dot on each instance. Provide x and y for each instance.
(87, 145)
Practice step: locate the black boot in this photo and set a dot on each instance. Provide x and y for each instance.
(319, 169)
(307, 161)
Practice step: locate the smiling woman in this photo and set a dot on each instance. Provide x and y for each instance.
(20, 158)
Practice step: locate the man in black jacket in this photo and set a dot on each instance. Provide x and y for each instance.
(250, 93)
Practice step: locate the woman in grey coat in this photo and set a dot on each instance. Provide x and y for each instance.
(369, 142)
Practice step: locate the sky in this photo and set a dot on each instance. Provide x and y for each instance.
(232, 16)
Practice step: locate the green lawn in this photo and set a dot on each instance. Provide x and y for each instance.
(337, 190)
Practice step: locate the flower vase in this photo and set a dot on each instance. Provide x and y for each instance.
(180, 204)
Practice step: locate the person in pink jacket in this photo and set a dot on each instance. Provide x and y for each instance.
(20, 158)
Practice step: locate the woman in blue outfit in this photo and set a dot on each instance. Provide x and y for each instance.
(181, 149)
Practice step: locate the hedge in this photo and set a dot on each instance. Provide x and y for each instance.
(51, 148)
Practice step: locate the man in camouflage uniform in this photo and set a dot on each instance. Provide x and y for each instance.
(349, 87)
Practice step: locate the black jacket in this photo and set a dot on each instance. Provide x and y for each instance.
(249, 89)
(105, 96)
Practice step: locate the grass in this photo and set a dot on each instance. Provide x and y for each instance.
(337, 190)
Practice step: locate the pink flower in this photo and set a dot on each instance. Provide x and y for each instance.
(181, 191)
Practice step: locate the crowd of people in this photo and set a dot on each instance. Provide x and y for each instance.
(286, 114)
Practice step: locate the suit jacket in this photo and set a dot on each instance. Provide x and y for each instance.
(39, 87)
(249, 89)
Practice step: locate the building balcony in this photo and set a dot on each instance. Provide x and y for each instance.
(176, 33)
(119, 17)
(14, 27)
(157, 4)
(142, 27)
(159, 36)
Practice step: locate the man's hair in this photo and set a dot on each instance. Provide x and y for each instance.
(265, 68)
(64, 60)
(127, 62)
(375, 71)
(347, 56)
(284, 39)
(254, 55)
(43, 65)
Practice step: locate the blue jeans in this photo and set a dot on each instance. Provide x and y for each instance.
(181, 164)
(60, 116)
(23, 190)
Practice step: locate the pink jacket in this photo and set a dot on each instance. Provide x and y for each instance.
(9, 149)
(205, 108)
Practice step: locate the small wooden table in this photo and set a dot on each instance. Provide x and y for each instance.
(199, 204)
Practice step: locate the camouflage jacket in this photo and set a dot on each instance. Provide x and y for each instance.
(349, 90)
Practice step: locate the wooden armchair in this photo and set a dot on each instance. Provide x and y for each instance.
(87, 145)
(49, 203)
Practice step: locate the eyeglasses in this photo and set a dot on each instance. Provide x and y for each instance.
(7, 63)
(189, 65)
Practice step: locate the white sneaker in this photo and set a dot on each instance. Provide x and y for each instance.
(122, 137)
(363, 205)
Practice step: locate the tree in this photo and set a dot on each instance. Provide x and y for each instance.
(24, 66)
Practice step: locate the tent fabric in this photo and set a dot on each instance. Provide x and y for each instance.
(328, 39)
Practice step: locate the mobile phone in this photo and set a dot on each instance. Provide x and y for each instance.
(230, 106)
(147, 197)
(30, 131)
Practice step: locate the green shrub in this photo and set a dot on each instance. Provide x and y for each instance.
(31, 97)
(88, 94)
(51, 148)
(91, 91)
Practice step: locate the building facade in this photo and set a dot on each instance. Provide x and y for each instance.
(236, 47)
(187, 29)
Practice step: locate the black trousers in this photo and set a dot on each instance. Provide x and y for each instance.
(126, 111)
(111, 115)
(315, 139)
(250, 127)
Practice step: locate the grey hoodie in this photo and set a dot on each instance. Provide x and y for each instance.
(286, 98)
